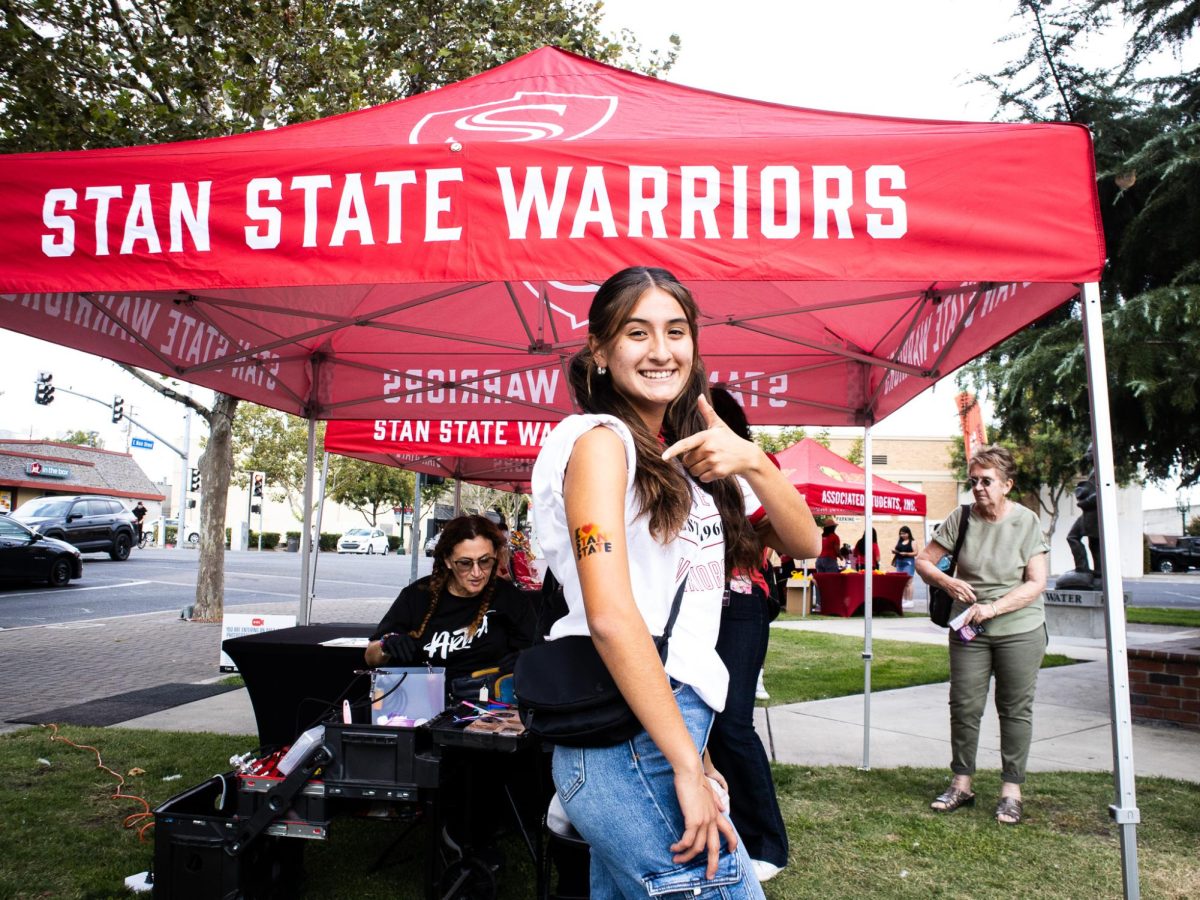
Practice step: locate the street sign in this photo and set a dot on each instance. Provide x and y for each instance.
(142, 443)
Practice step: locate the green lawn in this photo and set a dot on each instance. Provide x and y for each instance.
(811, 665)
(1157, 615)
(853, 834)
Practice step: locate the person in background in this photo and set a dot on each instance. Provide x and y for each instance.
(830, 547)
(632, 500)
(463, 616)
(860, 552)
(845, 556)
(999, 580)
(736, 748)
(522, 556)
(904, 558)
(139, 513)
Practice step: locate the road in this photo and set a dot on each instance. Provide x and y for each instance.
(155, 580)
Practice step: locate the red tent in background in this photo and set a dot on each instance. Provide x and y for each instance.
(832, 484)
(435, 257)
(498, 454)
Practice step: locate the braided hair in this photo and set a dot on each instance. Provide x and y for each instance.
(463, 528)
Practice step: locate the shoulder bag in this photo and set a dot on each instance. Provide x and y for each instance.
(940, 602)
(566, 695)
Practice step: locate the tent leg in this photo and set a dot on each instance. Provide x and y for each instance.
(1124, 811)
(316, 557)
(868, 595)
(305, 614)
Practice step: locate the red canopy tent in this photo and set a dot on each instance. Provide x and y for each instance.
(832, 484)
(498, 454)
(434, 257)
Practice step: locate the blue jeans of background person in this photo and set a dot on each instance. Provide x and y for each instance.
(622, 801)
(906, 564)
(736, 749)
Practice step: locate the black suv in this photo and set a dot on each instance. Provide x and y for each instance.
(93, 524)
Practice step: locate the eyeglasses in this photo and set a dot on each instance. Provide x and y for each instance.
(981, 479)
(465, 566)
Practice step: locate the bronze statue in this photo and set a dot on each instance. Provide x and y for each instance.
(1083, 576)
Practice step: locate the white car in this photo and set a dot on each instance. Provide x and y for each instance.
(363, 540)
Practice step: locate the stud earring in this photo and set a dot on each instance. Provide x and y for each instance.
(600, 370)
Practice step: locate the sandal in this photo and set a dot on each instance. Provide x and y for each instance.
(951, 799)
(1010, 807)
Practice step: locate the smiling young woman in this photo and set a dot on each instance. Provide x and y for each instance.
(632, 499)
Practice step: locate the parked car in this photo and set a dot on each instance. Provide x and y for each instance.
(26, 555)
(1184, 554)
(193, 530)
(363, 540)
(93, 524)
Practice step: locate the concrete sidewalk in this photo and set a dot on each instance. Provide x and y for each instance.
(909, 727)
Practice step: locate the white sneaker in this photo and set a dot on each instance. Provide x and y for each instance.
(760, 689)
(763, 870)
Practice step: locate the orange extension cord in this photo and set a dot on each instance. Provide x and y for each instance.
(131, 820)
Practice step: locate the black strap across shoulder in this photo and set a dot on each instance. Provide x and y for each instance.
(963, 520)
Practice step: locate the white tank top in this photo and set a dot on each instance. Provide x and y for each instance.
(655, 569)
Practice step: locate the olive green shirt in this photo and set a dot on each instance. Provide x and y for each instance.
(993, 560)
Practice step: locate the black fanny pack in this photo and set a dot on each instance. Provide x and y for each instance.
(567, 696)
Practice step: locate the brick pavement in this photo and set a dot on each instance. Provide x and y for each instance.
(49, 666)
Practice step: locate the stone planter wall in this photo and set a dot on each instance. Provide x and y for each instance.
(1164, 683)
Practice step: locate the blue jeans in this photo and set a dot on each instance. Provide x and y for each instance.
(622, 801)
(736, 749)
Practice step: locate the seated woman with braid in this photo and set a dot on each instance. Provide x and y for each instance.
(462, 617)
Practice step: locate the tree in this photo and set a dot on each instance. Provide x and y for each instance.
(107, 73)
(276, 444)
(370, 488)
(83, 438)
(776, 439)
(1145, 127)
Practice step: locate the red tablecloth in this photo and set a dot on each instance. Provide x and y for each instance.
(842, 595)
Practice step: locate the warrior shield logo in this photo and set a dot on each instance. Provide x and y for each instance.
(568, 301)
(525, 116)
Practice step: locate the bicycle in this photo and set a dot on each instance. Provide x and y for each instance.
(144, 539)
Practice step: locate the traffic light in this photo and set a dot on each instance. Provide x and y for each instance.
(118, 408)
(44, 394)
(195, 481)
(256, 489)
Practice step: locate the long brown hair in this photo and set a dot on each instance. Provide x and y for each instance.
(463, 528)
(662, 488)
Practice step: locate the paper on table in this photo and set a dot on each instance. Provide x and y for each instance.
(347, 642)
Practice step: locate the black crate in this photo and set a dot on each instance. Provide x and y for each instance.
(305, 818)
(448, 733)
(191, 831)
(379, 762)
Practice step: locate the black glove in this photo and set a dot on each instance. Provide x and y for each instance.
(400, 648)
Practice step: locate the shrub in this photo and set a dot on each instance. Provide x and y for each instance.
(395, 543)
(270, 540)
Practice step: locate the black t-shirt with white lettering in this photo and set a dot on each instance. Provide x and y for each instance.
(506, 628)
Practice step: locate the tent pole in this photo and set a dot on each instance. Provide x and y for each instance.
(458, 496)
(417, 545)
(306, 534)
(316, 558)
(868, 593)
(1124, 811)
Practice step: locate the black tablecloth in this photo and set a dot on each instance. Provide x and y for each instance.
(293, 681)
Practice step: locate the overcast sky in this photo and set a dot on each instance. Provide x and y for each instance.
(915, 58)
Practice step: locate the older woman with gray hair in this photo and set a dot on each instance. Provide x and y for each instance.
(998, 584)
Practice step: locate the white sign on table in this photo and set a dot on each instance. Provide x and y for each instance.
(241, 624)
